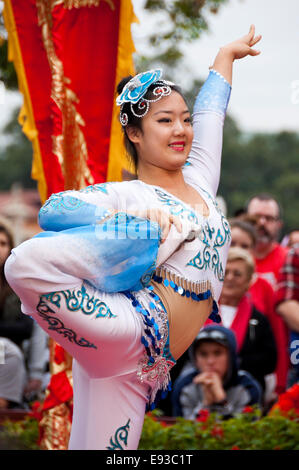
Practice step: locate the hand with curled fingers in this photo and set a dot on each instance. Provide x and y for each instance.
(164, 219)
(243, 47)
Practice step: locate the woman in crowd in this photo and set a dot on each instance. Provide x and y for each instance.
(14, 329)
(263, 297)
(255, 342)
(120, 264)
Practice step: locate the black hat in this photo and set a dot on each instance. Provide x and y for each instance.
(212, 334)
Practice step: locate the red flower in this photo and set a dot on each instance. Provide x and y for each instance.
(293, 394)
(248, 409)
(294, 391)
(202, 416)
(217, 431)
(285, 403)
(289, 400)
(235, 448)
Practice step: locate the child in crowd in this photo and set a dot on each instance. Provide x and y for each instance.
(215, 383)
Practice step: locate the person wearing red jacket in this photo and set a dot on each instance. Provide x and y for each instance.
(255, 341)
(269, 254)
(263, 297)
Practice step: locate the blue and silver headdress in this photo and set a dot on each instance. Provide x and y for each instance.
(134, 91)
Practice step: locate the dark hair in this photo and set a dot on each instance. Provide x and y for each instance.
(265, 197)
(4, 287)
(8, 233)
(246, 226)
(136, 121)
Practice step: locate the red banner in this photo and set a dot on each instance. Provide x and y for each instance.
(69, 56)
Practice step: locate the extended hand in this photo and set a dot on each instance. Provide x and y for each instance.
(243, 46)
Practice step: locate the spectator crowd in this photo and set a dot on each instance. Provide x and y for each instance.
(24, 358)
(249, 359)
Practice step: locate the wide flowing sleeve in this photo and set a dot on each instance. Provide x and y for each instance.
(85, 238)
(88, 206)
(204, 161)
(113, 255)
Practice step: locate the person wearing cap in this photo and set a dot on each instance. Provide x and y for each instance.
(215, 383)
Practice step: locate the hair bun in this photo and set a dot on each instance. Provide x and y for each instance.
(122, 83)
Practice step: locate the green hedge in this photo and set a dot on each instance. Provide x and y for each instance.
(246, 431)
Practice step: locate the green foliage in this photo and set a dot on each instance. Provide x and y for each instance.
(247, 431)
(16, 157)
(19, 435)
(7, 71)
(261, 163)
(185, 21)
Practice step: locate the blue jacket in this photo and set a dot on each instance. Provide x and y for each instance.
(241, 388)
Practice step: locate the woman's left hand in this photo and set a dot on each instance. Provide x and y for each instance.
(243, 46)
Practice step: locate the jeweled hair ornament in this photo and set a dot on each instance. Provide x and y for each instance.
(134, 91)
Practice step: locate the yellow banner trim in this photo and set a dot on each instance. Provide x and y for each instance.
(26, 116)
(125, 66)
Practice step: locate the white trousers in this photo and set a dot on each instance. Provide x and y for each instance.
(101, 331)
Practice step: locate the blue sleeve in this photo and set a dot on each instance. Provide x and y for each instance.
(87, 234)
(204, 161)
(78, 208)
(115, 255)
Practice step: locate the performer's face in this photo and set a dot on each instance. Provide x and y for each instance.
(166, 135)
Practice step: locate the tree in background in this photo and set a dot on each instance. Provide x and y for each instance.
(15, 157)
(176, 22)
(251, 164)
(185, 22)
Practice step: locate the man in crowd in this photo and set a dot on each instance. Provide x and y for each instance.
(269, 254)
(269, 258)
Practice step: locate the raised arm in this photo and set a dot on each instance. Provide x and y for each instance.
(204, 162)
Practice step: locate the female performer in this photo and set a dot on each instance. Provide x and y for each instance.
(111, 278)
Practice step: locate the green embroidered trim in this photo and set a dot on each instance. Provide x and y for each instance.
(121, 434)
(55, 324)
(80, 300)
(210, 257)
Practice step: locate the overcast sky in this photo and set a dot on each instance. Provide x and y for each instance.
(265, 95)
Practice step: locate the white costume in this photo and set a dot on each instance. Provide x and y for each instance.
(104, 288)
